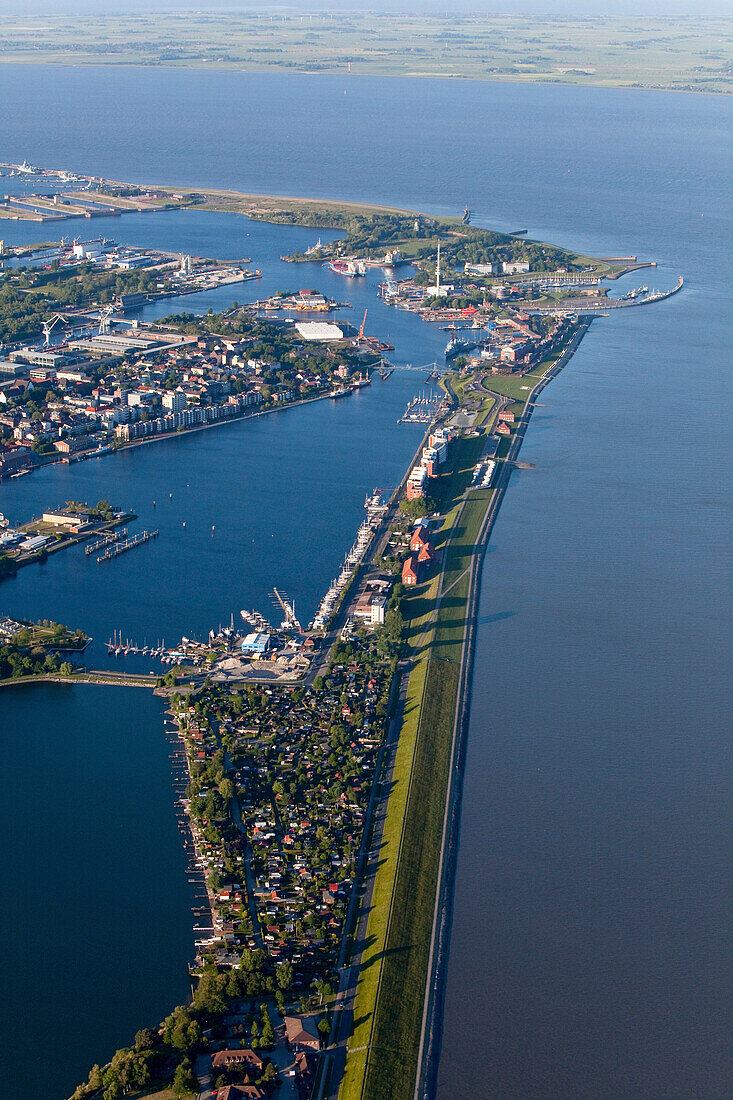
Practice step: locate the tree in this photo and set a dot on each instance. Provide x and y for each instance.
(67, 669)
(183, 1079)
(268, 1033)
(180, 1030)
(95, 1077)
(210, 993)
(144, 1039)
(269, 1074)
(284, 975)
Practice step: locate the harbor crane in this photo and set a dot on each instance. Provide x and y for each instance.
(288, 609)
(49, 325)
(105, 316)
(363, 323)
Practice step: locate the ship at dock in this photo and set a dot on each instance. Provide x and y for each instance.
(456, 347)
(375, 508)
(352, 268)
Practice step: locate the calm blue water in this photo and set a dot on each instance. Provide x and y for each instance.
(589, 953)
(96, 905)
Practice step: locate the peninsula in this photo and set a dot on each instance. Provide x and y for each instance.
(322, 765)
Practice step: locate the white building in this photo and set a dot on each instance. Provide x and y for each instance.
(515, 267)
(175, 401)
(378, 606)
(319, 330)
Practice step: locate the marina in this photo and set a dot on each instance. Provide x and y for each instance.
(375, 509)
(422, 409)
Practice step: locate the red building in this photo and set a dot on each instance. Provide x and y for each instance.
(425, 555)
(420, 538)
(410, 571)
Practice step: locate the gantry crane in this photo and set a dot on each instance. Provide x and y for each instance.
(50, 324)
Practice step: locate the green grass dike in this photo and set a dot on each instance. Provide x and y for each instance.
(388, 1013)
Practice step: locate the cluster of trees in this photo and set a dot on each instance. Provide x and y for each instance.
(473, 245)
(29, 295)
(152, 1056)
(15, 661)
(365, 233)
(416, 508)
(102, 510)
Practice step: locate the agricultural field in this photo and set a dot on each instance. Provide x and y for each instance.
(692, 54)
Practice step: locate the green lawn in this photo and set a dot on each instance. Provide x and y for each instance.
(390, 997)
(383, 887)
(392, 1062)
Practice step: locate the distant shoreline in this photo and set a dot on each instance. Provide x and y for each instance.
(643, 52)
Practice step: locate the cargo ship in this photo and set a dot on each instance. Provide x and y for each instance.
(348, 267)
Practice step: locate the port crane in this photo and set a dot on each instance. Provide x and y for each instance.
(288, 609)
(105, 316)
(363, 323)
(49, 325)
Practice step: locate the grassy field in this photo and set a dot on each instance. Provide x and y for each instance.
(384, 1046)
(391, 1068)
(693, 53)
(369, 978)
(396, 961)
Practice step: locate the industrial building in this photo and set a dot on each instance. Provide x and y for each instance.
(319, 330)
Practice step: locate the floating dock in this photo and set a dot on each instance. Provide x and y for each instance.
(421, 410)
(118, 548)
(105, 540)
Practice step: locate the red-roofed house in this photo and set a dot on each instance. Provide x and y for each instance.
(420, 538)
(410, 571)
(240, 1092)
(302, 1033)
(425, 555)
(237, 1059)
